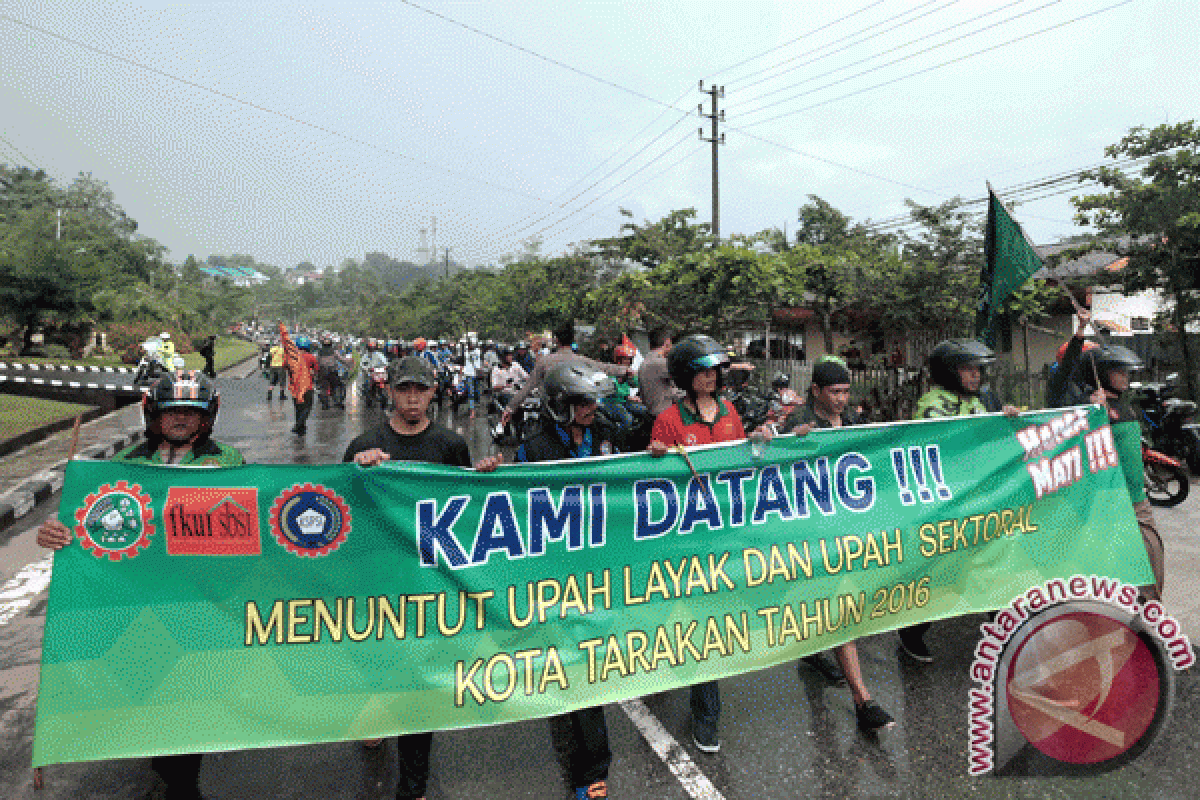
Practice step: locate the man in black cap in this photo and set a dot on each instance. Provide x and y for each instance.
(409, 435)
(828, 406)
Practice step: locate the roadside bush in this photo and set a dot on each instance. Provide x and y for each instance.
(126, 338)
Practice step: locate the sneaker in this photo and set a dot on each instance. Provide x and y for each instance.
(704, 736)
(872, 718)
(597, 791)
(913, 645)
(828, 668)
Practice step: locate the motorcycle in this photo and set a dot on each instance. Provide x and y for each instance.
(1167, 481)
(151, 365)
(520, 425)
(377, 383)
(456, 387)
(333, 387)
(631, 421)
(753, 405)
(1166, 420)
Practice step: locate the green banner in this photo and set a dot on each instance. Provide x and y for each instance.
(212, 609)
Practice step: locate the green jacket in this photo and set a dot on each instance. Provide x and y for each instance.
(939, 402)
(206, 454)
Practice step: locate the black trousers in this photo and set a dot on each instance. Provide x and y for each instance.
(589, 762)
(180, 773)
(303, 409)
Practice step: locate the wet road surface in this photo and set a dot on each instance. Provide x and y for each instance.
(784, 732)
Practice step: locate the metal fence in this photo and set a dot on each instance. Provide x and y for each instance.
(891, 393)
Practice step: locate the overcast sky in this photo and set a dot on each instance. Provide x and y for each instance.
(326, 130)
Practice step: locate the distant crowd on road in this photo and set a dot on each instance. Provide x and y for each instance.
(681, 393)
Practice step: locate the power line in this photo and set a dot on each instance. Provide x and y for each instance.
(17, 150)
(621, 149)
(875, 55)
(1020, 191)
(536, 54)
(793, 41)
(833, 163)
(893, 62)
(613, 188)
(603, 178)
(257, 107)
(943, 64)
(892, 18)
(648, 180)
(905, 222)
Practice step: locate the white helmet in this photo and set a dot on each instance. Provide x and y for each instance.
(164, 335)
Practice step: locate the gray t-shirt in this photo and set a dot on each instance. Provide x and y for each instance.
(655, 386)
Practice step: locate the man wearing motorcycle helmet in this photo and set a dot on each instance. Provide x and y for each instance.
(180, 410)
(956, 372)
(702, 416)
(623, 355)
(564, 336)
(782, 386)
(572, 429)
(1101, 375)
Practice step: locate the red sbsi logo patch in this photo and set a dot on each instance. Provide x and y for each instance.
(212, 522)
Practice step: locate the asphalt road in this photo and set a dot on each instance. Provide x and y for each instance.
(785, 734)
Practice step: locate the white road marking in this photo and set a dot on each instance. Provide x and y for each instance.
(694, 782)
(19, 591)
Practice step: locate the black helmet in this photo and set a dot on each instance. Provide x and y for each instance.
(570, 384)
(1103, 360)
(781, 381)
(692, 354)
(951, 354)
(181, 389)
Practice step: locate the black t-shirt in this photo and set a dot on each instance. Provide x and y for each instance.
(434, 445)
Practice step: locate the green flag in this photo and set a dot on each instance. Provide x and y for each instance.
(1009, 261)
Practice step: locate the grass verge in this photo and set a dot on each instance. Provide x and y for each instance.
(19, 415)
(230, 351)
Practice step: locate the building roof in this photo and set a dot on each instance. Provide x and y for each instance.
(1088, 265)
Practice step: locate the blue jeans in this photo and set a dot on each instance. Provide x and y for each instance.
(471, 384)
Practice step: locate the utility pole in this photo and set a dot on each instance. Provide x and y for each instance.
(714, 92)
(433, 243)
(446, 250)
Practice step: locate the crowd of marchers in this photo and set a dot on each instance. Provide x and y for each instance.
(587, 408)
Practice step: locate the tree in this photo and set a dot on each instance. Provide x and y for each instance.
(654, 243)
(1154, 220)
